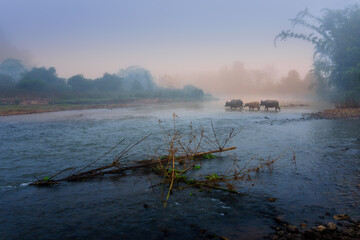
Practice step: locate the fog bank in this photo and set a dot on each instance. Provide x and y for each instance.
(238, 80)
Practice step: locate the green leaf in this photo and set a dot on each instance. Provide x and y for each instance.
(197, 167)
(208, 156)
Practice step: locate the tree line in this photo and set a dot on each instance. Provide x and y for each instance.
(130, 83)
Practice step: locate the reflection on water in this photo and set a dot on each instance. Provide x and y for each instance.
(326, 177)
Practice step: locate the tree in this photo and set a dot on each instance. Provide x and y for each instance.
(335, 37)
(80, 83)
(7, 85)
(32, 85)
(12, 68)
(108, 83)
(38, 76)
(137, 78)
(192, 92)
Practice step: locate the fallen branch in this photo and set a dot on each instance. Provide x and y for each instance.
(119, 169)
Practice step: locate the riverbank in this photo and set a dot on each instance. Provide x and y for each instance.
(8, 110)
(337, 113)
(12, 109)
(341, 227)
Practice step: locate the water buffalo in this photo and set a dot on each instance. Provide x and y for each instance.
(234, 104)
(253, 105)
(270, 104)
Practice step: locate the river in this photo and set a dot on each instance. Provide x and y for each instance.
(325, 180)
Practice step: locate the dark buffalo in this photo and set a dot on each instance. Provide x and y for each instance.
(253, 105)
(270, 104)
(234, 104)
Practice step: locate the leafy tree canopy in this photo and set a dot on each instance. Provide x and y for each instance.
(6, 82)
(108, 82)
(335, 36)
(80, 83)
(12, 68)
(43, 75)
(137, 78)
(32, 85)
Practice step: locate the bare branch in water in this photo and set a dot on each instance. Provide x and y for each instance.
(182, 153)
(100, 157)
(122, 154)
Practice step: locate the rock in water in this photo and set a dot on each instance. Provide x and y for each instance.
(303, 225)
(340, 217)
(271, 199)
(331, 226)
(279, 219)
(292, 228)
(320, 228)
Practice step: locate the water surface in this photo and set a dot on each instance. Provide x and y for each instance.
(325, 180)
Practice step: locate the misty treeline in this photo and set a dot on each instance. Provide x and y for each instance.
(128, 84)
(336, 40)
(238, 80)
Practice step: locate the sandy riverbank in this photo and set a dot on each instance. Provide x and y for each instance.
(337, 113)
(30, 109)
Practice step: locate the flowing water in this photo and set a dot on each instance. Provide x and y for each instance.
(325, 180)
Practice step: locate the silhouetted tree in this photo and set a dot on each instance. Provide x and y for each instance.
(137, 78)
(12, 68)
(108, 82)
(7, 85)
(80, 83)
(32, 85)
(335, 37)
(192, 92)
(44, 79)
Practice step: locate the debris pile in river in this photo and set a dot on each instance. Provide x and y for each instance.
(183, 153)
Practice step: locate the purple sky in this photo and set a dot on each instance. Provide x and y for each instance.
(167, 37)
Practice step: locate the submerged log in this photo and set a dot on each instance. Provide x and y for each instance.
(115, 168)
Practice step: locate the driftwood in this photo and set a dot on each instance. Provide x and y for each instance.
(115, 168)
(182, 154)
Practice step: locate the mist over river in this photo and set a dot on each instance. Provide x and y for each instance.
(324, 182)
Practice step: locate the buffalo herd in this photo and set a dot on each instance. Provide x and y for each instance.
(252, 105)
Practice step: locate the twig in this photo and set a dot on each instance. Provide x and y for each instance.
(100, 157)
(216, 139)
(127, 150)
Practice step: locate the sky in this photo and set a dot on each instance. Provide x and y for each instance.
(177, 39)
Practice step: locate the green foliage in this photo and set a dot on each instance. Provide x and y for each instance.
(136, 78)
(335, 37)
(32, 85)
(170, 170)
(7, 84)
(46, 178)
(179, 177)
(196, 167)
(80, 84)
(40, 79)
(208, 156)
(190, 181)
(212, 177)
(132, 83)
(108, 83)
(12, 68)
